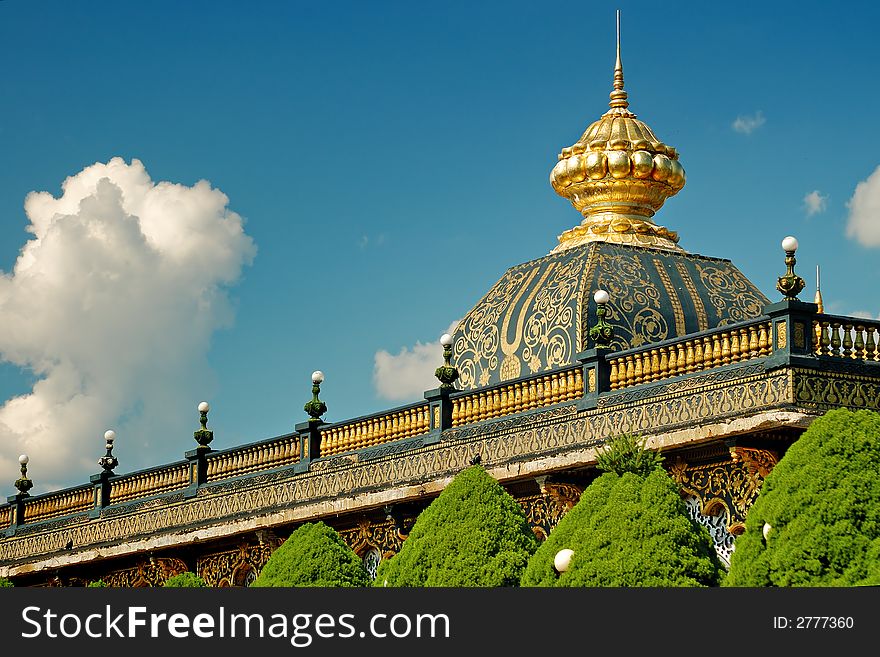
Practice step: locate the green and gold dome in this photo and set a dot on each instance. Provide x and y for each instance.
(536, 318)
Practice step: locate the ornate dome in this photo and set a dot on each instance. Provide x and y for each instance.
(617, 175)
(536, 318)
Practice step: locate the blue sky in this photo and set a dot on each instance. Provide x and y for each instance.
(388, 162)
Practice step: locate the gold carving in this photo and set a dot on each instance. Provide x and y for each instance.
(152, 572)
(385, 536)
(757, 461)
(732, 295)
(677, 311)
(591, 386)
(732, 485)
(526, 319)
(238, 567)
(635, 307)
(799, 335)
(699, 308)
(781, 328)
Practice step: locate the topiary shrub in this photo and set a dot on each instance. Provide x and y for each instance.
(185, 580)
(473, 534)
(98, 583)
(822, 505)
(313, 555)
(6, 583)
(628, 530)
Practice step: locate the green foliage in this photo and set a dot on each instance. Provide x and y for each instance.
(628, 530)
(627, 453)
(98, 583)
(313, 555)
(185, 580)
(6, 583)
(822, 502)
(474, 534)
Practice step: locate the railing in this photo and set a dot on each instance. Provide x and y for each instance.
(725, 345)
(518, 397)
(55, 505)
(846, 337)
(252, 458)
(150, 482)
(834, 336)
(375, 430)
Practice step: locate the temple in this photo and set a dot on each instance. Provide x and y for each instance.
(617, 329)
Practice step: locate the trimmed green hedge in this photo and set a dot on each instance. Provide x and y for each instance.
(822, 503)
(97, 584)
(628, 530)
(184, 581)
(5, 583)
(313, 555)
(474, 534)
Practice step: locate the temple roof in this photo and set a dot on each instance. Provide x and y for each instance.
(536, 318)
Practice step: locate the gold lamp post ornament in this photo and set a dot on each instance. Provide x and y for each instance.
(790, 284)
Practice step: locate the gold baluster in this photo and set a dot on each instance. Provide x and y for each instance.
(699, 354)
(627, 375)
(825, 342)
(563, 386)
(663, 365)
(835, 339)
(763, 340)
(716, 350)
(689, 357)
(578, 383)
(637, 371)
(725, 348)
(672, 366)
(847, 341)
(870, 345)
(612, 377)
(734, 346)
(655, 364)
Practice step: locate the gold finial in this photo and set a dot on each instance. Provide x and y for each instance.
(618, 96)
(818, 299)
(617, 175)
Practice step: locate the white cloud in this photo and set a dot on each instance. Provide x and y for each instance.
(747, 124)
(815, 202)
(864, 314)
(864, 211)
(405, 376)
(112, 304)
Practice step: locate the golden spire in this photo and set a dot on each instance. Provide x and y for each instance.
(618, 96)
(617, 175)
(818, 299)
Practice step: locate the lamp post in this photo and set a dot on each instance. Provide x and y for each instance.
(790, 284)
